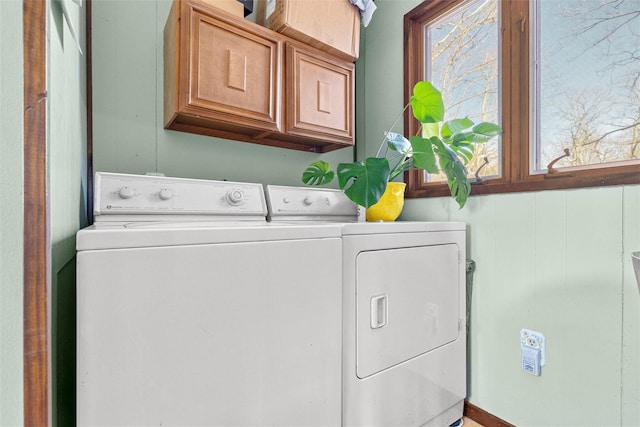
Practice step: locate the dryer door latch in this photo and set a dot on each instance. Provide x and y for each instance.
(379, 311)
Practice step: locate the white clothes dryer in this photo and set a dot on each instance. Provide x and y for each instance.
(192, 310)
(404, 316)
(404, 326)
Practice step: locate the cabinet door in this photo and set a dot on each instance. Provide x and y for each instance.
(233, 74)
(319, 96)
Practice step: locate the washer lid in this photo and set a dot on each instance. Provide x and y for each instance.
(118, 236)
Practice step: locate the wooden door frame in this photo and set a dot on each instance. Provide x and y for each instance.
(35, 232)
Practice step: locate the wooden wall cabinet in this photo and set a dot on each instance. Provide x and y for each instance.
(225, 77)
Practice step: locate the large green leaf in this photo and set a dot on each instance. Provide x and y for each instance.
(488, 129)
(430, 129)
(318, 173)
(398, 142)
(423, 155)
(364, 183)
(455, 171)
(454, 126)
(464, 150)
(482, 132)
(426, 103)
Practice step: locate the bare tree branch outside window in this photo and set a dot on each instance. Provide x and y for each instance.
(463, 63)
(589, 81)
(588, 86)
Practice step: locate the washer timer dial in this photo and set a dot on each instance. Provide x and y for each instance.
(235, 197)
(165, 194)
(126, 193)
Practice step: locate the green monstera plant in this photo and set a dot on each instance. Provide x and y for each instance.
(441, 146)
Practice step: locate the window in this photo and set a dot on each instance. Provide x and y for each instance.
(563, 79)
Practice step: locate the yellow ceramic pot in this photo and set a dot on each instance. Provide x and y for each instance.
(390, 204)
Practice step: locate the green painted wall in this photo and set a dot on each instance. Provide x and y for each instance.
(11, 202)
(66, 173)
(557, 262)
(128, 101)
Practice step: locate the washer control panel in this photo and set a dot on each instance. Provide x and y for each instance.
(309, 203)
(147, 194)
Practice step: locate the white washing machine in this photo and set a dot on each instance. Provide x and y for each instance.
(404, 316)
(192, 310)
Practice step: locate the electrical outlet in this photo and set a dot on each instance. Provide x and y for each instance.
(534, 340)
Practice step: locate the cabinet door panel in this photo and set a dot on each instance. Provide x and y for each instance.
(232, 72)
(319, 99)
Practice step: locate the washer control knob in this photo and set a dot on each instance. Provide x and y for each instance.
(165, 194)
(235, 197)
(125, 193)
(307, 201)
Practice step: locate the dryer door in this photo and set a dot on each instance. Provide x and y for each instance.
(407, 304)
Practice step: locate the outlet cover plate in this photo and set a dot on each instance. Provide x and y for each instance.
(533, 339)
